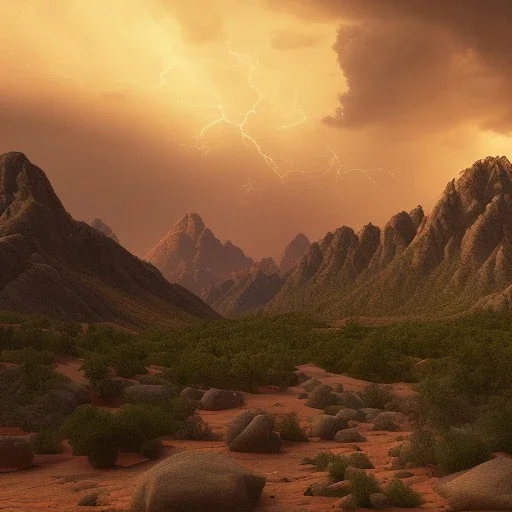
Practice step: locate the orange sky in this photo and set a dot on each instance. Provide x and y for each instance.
(139, 110)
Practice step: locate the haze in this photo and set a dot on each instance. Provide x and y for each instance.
(140, 110)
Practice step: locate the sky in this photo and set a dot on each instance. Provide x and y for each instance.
(266, 117)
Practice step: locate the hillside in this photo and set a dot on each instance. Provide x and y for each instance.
(191, 255)
(456, 259)
(51, 264)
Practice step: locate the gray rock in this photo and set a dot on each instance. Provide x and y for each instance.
(302, 396)
(370, 413)
(219, 400)
(325, 426)
(351, 400)
(388, 421)
(15, 452)
(311, 384)
(321, 397)
(192, 394)
(252, 432)
(487, 486)
(348, 503)
(349, 435)
(348, 414)
(193, 481)
(379, 501)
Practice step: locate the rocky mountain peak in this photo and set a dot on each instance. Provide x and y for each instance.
(103, 228)
(293, 252)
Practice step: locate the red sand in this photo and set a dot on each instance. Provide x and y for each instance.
(60, 481)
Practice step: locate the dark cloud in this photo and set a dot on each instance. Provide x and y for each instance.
(421, 62)
(201, 21)
(292, 40)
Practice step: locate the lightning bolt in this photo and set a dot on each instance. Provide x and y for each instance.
(248, 187)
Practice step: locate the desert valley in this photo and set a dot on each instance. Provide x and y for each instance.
(125, 392)
(255, 255)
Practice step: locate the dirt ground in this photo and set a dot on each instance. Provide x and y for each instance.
(57, 482)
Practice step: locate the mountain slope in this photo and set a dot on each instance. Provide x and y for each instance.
(103, 228)
(52, 264)
(458, 258)
(192, 256)
(294, 252)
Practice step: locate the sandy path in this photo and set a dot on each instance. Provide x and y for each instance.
(60, 480)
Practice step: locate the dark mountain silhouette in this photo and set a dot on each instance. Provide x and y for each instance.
(103, 228)
(52, 264)
(192, 256)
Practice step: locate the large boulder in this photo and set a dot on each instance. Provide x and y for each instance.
(485, 487)
(311, 384)
(349, 435)
(389, 421)
(348, 414)
(220, 399)
(350, 400)
(15, 452)
(325, 426)
(370, 413)
(192, 394)
(321, 397)
(252, 432)
(194, 481)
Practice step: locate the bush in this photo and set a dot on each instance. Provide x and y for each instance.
(322, 460)
(401, 495)
(108, 389)
(102, 455)
(459, 450)
(152, 449)
(494, 423)
(376, 396)
(196, 429)
(362, 486)
(47, 441)
(289, 428)
(95, 368)
(337, 468)
(419, 450)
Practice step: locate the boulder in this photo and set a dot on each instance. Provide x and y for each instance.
(339, 388)
(348, 503)
(192, 394)
(321, 397)
(193, 481)
(484, 487)
(15, 452)
(348, 414)
(302, 396)
(325, 426)
(219, 400)
(146, 393)
(252, 432)
(349, 435)
(379, 501)
(351, 400)
(311, 384)
(388, 421)
(370, 413)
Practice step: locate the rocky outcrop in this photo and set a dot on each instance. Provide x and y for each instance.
(245, 291)
(103, 228)
(191, 255)
(51, 264)
(252, 432)
(193, 480)
(457, 259)
(293, 253)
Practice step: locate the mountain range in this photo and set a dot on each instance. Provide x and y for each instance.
(457, 259)
(52, 264)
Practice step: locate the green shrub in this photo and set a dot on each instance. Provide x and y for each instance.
(47, 441)
(95, 368)
(401, 495)
(376, 396)
(152, 449)
(362, 486)
(108, 389)
(494, 423)
(337, 468)
(196, 429)
(322, 460)
(459, 450)
(288, 426)
(420, 449)
(102, 455)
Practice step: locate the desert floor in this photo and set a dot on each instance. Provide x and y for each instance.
(57, 482)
